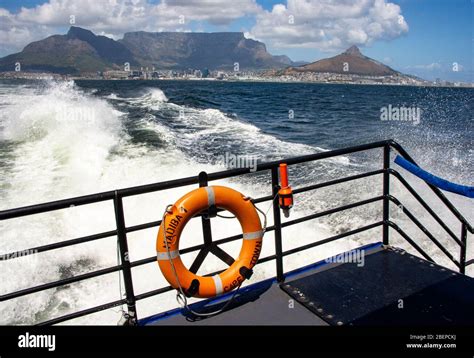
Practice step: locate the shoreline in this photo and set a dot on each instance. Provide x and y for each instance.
(42, 77)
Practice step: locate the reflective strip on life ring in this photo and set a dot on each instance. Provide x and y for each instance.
(176, 219)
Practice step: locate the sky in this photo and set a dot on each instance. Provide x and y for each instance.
(428, 38)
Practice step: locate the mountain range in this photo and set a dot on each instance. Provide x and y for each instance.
(81, 51)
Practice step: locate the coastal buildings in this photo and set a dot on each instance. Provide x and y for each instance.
(249, 75)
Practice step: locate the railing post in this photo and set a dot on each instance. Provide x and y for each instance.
(206, 222)
(462, 256)
(125, 260)
(277, 223)
(386, 193)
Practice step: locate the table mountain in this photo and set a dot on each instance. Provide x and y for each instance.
(220, 50)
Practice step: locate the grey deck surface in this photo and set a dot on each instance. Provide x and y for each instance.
(272, 307)
(345, 294)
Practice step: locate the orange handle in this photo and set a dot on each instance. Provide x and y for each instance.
(284, 175)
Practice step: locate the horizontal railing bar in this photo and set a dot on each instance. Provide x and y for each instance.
(423, 228)
(141, 262)
(337, 181)
(332, 238)
(322, 155)
(145, 226)
(262, 199)
(151, 293)
(170, 184)
(332, 211)
(62, 282)
(56, 205)
(266, 259)
(425, 205)
(410, 241)
(436, 190)
(58, 245)
(82, 313)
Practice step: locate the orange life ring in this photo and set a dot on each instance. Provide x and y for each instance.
(175, 220)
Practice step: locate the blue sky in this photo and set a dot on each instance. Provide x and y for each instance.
(428, 38)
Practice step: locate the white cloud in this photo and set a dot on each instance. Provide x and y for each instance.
(322, 24)
(14, 33)
(114, 17)
(329, 25)
(213, 11)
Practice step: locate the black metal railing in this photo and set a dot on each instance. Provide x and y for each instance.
(209, 245)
